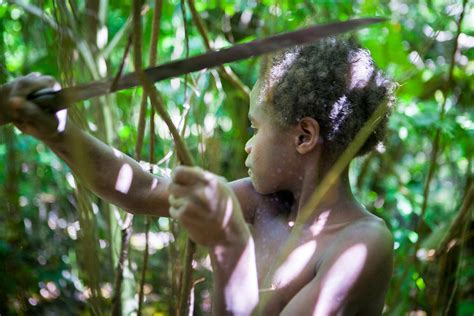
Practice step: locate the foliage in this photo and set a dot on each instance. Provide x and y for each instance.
(420, 183)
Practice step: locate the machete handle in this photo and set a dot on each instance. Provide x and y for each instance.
(47, 99)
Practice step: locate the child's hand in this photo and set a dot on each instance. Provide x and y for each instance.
(207, 207)
(27, 116)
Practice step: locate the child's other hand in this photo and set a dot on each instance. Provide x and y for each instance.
(207, 207)
(27, 116)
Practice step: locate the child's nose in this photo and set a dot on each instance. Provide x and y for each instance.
(248, 146)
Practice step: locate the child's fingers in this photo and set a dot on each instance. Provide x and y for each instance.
(33, 82)
(175, 201)
(175, 213)
(178, 190)
(184, 210)
(26, 112)
(31, 119)
(185, 175)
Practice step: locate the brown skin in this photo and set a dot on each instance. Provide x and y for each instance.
(342, 261)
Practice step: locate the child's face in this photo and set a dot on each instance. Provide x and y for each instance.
(272, 159)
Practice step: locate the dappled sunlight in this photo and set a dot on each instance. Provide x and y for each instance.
(62, 120)
(70, 180)
(339, 112)
(362, 69)
(49, 290)
(341, 277)
(156, 241)
(68, 247)
(154, 184)
(229, 208)
(296, 262)
(117, 153)
(124, 179)
(319, 224)
(243, 275)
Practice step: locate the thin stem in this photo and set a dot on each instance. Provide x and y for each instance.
(145, 266)
(181, 148)
(125, 240)
(152, 61)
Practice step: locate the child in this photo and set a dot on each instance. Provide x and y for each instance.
(305, 110)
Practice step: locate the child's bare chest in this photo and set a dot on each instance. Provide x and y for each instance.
(280, 279)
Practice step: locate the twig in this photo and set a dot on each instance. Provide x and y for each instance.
(113, 86)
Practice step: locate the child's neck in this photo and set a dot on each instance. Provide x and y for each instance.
(337, 198)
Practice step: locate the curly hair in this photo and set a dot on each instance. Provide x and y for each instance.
(334, 81)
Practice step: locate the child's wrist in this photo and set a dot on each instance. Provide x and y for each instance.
(226, 251)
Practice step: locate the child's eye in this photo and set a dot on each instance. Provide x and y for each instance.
(252, 130)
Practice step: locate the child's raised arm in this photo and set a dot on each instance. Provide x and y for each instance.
(109, 173)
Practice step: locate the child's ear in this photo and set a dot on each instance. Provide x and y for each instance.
(307, 135)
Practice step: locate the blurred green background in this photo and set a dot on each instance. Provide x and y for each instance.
(59, 245)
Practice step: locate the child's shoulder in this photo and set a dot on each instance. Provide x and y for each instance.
(370, 236)
(358, 266)
(369, 230)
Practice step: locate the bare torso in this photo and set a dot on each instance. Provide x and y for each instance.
(271, 228)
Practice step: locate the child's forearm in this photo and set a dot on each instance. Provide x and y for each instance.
(235, 279)
(109, 173)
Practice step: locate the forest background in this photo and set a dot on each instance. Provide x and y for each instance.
(64, 251)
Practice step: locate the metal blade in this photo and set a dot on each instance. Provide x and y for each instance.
(56, 100)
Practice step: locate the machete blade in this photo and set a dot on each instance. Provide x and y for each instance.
(57, 100)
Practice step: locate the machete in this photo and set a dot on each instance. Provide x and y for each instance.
(53, 101)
